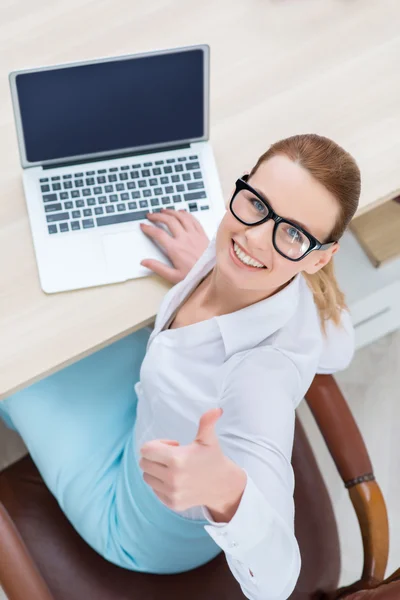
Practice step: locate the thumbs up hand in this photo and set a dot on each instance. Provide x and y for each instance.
(196, 474)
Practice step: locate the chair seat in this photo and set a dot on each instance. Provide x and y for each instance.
(73, 571)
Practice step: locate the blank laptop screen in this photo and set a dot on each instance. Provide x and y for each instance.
(112, 106)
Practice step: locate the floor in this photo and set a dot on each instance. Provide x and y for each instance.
(371, 386)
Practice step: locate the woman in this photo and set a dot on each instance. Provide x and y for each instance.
(195, 457)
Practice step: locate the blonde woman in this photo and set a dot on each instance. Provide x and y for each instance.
(167, 447)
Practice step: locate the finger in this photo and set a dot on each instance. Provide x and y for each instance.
(154, 482)
(153, 468)
(170, 220)
(156, 451)
(206, 432)
(165, 271)
(185, 217)
(156, 233)
(162, 497)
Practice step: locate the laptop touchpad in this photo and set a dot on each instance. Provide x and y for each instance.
(124, 251)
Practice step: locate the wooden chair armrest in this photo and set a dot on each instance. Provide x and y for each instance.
(19, 575)
(347, 448)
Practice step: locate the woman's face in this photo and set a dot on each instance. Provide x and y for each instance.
(293, 194)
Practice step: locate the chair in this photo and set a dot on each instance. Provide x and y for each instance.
(43, 558)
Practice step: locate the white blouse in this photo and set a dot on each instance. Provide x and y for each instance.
(257, 363)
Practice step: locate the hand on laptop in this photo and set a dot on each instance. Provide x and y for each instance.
(183, 246)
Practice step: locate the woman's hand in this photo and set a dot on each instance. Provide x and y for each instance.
(183, 246)
(198, 474)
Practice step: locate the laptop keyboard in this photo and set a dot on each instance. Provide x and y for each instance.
(96, 198)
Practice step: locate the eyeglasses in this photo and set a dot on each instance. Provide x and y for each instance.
(290, 240)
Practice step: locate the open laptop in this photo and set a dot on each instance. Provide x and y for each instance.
(104, 142)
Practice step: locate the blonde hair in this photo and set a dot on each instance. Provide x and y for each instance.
(338, 172)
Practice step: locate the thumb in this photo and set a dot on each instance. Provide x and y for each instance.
(170, 442)
(206, 432)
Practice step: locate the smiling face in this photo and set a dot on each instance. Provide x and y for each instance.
(293, 194)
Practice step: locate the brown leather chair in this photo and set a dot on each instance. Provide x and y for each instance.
(43, 558)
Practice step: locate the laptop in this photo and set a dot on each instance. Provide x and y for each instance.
(104, 142)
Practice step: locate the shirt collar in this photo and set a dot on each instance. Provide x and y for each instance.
(247, 327)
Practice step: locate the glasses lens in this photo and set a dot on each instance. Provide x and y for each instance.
(248, 208)
(290, 241)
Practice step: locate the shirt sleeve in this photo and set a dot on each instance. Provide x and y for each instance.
(337, 346)
(256, 432)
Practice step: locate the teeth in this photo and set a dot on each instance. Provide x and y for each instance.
(244, 258)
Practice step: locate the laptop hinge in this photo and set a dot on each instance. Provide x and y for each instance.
(123, 155)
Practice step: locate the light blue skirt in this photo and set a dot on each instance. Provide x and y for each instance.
(78, 425)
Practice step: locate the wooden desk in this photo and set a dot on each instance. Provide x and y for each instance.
(277, 68)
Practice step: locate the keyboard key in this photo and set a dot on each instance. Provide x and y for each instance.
(192, 166)
(125, 168)
(68, 205)
(182, 159)
(143, 203)
(113, 169)
(75, 225)
(102, 200)
(204, 207)
(119, 187)
(170, 160)
(78, 174)
(157, 171)
(147, 193)
(165, 200)
(87, 223)
(122, 218)
(164, 180)
(90, 181)
(153, 181)
(135, 195)
(146, 173)
(155, 202)
(195, 196)
(159, 162)
(142, 183)
(195, 185)
(178, 168)
(121, 207)
(180, 187)
(156, 210)
(64, 196)
(102, 171)
(52, 228)
(134, 174)
(114, 198)
(124, 196)
(90, 173)
(53, 207)
(197, 175)
(78, 182)
(136, 166)
(175, 178)
(110, 209)
(112, 177)
(132, 205)
(55, 178)
(131, 185)
(108, 188)
(86, 192)
(56, 187)
(123, 176)
(99, 210)
(193, 157)
(157, 191)
(177, 198)
(91, 201)
(97, 190)
(76, 214)
(167, 169)
(64, 227)
(45, 188)
(44, 179)
(186, 176)
(147, 164)
(75, 194)
(101, 179)
(169, 189)
(87, 212)
(193, 206)
(79, 203)
(57, 217)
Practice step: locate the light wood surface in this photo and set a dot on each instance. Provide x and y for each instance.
(277, 68)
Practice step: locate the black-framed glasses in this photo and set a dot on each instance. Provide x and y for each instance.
(289, 239)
